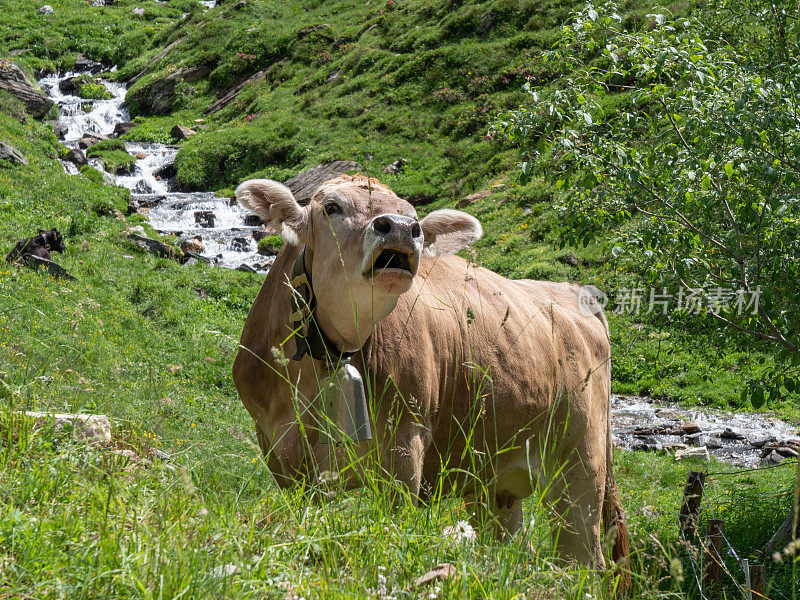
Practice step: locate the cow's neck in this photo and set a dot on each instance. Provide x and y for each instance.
(345, 325)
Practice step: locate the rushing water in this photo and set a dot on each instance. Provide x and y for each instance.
(226, 238)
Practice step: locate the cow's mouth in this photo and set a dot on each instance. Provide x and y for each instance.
(394, 260)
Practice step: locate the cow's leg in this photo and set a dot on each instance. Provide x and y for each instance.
(404, 458)
(499, 509)
(576, 498)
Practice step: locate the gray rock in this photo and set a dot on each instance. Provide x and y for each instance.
(35, 262)
(487, 23)
(13, 81)
(123, 128)
(396, 166)
(204, 218)
(246, 268)
(46, 10)
(158, 97)
(95, 429)
(180, 132)
(303, 185)
(153, 246)
(252, 220)
(84, 64)
(138, 11)
(167, 170)
(76, 157)
(8, 152)
(60, 129)
(89, 139)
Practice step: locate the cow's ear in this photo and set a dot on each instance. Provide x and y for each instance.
(448, 231)
(274, 203)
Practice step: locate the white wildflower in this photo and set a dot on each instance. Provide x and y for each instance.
(460, 532)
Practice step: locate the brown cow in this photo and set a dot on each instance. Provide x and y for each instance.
(466, 371)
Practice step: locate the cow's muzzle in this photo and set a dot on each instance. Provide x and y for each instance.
(392, 244)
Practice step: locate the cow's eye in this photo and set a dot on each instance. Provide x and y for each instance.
(332, 209)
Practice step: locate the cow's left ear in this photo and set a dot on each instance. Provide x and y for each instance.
(448, 231)
(274, 203)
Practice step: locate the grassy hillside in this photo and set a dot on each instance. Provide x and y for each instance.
(151, 343)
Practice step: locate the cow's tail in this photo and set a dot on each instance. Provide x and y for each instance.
(613, 517)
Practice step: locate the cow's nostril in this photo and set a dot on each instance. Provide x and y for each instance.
(415, 230)
(382, 225)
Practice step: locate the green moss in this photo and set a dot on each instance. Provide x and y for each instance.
(113, 155)
(270, 245)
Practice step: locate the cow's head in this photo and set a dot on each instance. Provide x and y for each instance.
(363, 246)
(53, 240)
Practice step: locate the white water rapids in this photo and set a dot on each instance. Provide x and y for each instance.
(226, 239)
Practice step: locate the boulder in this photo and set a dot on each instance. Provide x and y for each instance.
(89, 139)
(158, 97)
(36, 262)
(180, 132)
(690, 427)
(204, 218)
(303, 185)
(84, 64)
(67, 86)
(246, 268)
(167, 170)
(123, 128)
(252, 220)
(60, 129)
(95, 429)
(701, 452)
(8, 152)
(13, 81)
(153, 246)
(76, 157)
(194, 244)
(143, 188)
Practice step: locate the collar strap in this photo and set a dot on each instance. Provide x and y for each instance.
(309, 337)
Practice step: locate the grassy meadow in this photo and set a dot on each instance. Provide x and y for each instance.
(151, 343)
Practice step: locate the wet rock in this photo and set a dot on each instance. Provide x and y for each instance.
(396, 166)
(730, 434)
(690, 427)
(46, 10)
(246, 268)
(95, 429)
(303, 185)
(167, 170)
(180, 132)
(240, 244)
(204, 218)
(142, 187)
(252, 220)
(647, 444)
(772, 458)
(668, 413)
(259, 234)
(123, 128)
(126, 169)
(13, 81)
(89, 139)
(152, 246)
(68, 85)
(84, 64)
(8, 152)
(53, 269)
(194, 244)
(762, 442)
(60, 129)
(701, 452)
(786, 452)
(76, 157)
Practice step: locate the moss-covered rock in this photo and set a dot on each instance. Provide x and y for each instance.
(113, 155)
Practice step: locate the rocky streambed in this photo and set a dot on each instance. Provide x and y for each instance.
(213, 228)
(739, 438)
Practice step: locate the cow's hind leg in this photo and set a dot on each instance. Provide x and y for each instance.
(575, 497)
(499, 509)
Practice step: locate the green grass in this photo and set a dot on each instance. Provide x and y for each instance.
(151, 343)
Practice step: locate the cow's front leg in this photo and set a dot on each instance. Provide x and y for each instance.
(404, 458)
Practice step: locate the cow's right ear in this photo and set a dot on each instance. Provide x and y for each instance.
(274, 203)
